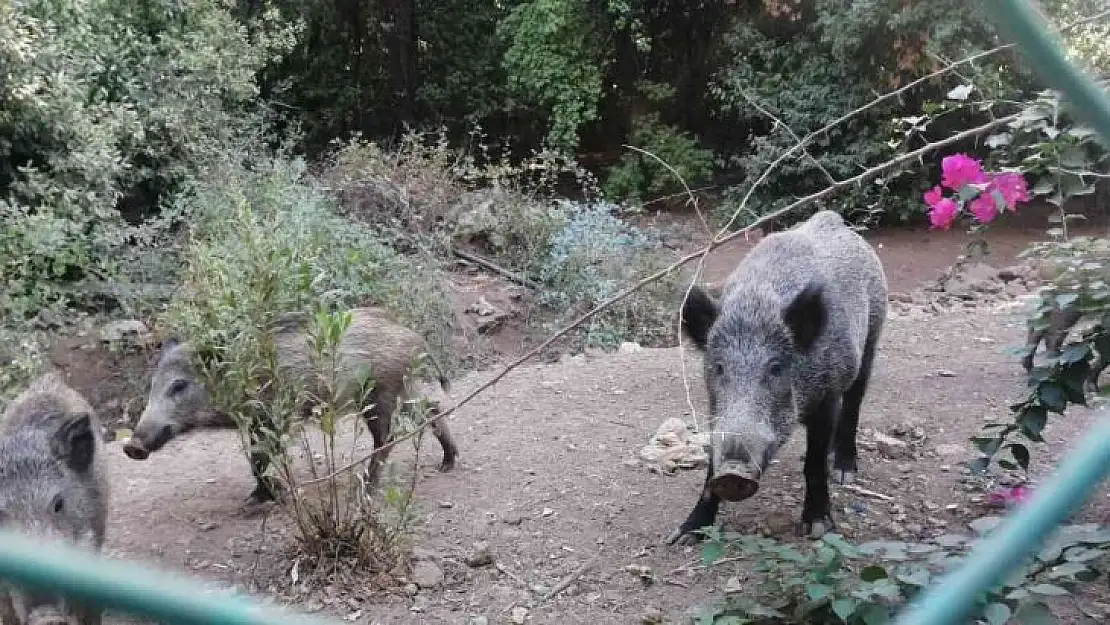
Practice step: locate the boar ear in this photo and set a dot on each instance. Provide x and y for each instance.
(75, 442)
(805, 316)
(699, 312)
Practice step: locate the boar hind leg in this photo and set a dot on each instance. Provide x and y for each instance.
(704, 514)
(816, 510)
(379, 421)
(450, 450)
(844, 441)
(1032, 339)
(265, 489)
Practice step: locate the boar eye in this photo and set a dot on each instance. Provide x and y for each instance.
(774, 367)
(58, 505)
(177, 386)
(720, 369)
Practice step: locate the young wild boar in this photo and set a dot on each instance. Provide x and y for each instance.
(792, 340)
(178, 401)
(52, 487)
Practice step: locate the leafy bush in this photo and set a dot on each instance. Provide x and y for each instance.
(264, 245)
(833, 581)
(593, 257)
(640, 177)
(21, 359)
(104, 110)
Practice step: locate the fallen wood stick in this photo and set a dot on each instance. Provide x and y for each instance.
(494, 267)
(567, 581)
(510, 574)
(867, 493)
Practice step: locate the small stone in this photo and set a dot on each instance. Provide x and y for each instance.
(446, 504)
(125, 329)
(891, 447)
(477, 620)
(481, 555)
(652, 616)
(411, 589)
(547, 512)
(950, 450)
(426, 574)
(518, 615)
(945, 373)
(512, 518)
(630, 347)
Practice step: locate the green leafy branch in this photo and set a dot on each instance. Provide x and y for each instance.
(834, 581)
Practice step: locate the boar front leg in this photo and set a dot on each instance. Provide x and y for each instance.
(703, 514)
(816, 510)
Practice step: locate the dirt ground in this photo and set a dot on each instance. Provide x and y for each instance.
(549, 477)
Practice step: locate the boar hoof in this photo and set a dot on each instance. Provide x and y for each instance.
(447, 465)
(817, 528)
(682, 538)
(844, 476)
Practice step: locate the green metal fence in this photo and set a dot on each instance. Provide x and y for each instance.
(172, 599)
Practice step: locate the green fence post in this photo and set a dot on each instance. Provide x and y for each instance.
(130, 588)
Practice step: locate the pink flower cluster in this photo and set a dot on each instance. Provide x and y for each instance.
(1009, 497)
(959, 171)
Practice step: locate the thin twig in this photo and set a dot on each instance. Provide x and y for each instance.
(507, 573)
(693, 200)
(498, 269)
(567, 581)
(717, 242)
(757, 106)
(866, 493)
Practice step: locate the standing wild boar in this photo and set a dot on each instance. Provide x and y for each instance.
(792, 340)
(178, 401)
(53, 487)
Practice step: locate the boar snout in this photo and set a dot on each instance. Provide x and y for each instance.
(140, 445)
(135, 451)
(735, 480)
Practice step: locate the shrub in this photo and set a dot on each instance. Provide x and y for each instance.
(266, 244)
(592, 258)
(833, 581)
(638, 176)
(104, 112)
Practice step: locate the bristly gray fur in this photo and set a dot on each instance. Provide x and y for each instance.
(793, 336)
(53, 484)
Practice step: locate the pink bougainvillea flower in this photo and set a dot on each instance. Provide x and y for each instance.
(1013, 189)
(1009, 497)
(944, 213)
(934, 196)
(984, 207)
(959, 170)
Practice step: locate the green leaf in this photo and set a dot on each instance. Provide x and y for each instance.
(918, 577)
(1052, 398)
(1032, 421)
(817, 591)
(1035, 614)
(997, 614)
(979, 465)
(711, 551)
(1082, 554)
(844, 608)
(872, 614)
(987, 444)
(872, 573)
(1020, 454)
(1048, 589)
